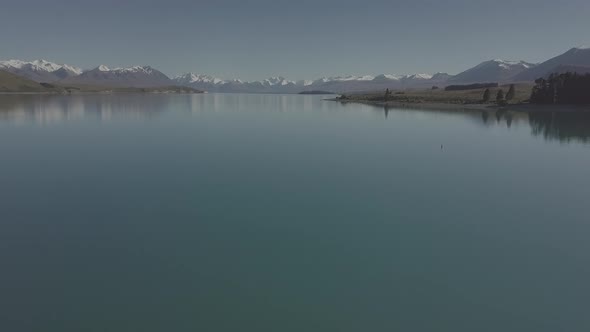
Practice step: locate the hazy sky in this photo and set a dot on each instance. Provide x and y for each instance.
(255, 39)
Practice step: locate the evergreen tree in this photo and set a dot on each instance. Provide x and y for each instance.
(567, 88)
(486, 95)
(387, 94)
(511, 93)
(500, 96)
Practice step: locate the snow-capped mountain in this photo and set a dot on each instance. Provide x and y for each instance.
(346, 78)
(575, 57)
(492, 71)
(417, 77)
(189, 78)
(304, 82)
(277, 81)
(137, 77)
(40, 70)
(279, 84)
(214, 84)
(501, 71)
(387, 77)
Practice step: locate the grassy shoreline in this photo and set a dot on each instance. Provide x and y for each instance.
(520, 107)
(465, 100)
(415, 105)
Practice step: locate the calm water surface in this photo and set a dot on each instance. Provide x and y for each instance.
(289, 213)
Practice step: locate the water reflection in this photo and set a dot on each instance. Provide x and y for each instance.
(503, 117)
(564, 127)
(44, 109)
(558, 126)
(485, 116)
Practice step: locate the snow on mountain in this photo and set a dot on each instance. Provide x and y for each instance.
(40, 70)
(390, 77)
(136, 76)
(344, 79)
(417, 77)
(351, 78)
(386, 78)
(36, 64)
(496, 70)
(273, 81)
(304, 82)
(134, 69)
(506, 64)
(189, 78)
(72, 69)
(280, 84)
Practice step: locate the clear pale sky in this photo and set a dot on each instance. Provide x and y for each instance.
(300, 39)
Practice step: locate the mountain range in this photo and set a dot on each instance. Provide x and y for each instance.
(40, 70)
(501, 71)
(492, 71)
(136, 77)
(578, 57)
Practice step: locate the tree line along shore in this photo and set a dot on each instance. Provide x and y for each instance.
(567, 89)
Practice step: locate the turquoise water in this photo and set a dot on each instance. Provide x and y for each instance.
(288, 213)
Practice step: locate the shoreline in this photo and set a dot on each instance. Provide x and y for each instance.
(520, 107)
(82, 93)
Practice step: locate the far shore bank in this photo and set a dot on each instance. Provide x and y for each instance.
(519, 107)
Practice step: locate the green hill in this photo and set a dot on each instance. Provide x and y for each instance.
(13, 83)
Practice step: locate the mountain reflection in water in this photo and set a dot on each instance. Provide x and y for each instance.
(563, 126)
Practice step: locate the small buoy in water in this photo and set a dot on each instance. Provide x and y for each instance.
(441, 147)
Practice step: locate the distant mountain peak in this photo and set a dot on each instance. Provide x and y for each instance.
(506, 64)
(133, 69)
(577, 57)
(279, 80)
(418, 77)
(496, 70)
(40, 70)
(189, 78)
(347, 78)
(38, 65)
(579, 49)
(386, 77)
(136, 76)
(304, 82)
(440, 76)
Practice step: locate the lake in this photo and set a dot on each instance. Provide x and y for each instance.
(237, 212)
